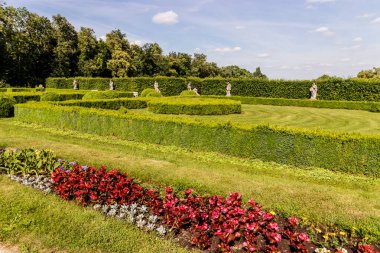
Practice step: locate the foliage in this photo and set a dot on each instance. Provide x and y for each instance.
(349, 153)
(29, 161)
(6, 106)
(149, 92)
(105, 95)
(50, 96)
(113, 104)
(234, 72)
(331, 104)
(259, 74)
(369, 74)
(194, 106)
(188, 93)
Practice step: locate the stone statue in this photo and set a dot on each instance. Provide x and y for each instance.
(112, 87)
(75, 85)
(196, 91)
(228, 89)
(313, 91)
(156, 87)
(189, 86)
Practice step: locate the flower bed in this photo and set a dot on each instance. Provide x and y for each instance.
(215, 223)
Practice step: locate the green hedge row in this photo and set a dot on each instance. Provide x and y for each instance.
(331, 104)
(19, 89)
(22, 97)
(194, 106)
(112, 104)
(351, 153)
(331, 89)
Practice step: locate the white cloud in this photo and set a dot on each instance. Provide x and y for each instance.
(197, 49)
(358, 39)
(376, 21)
(345, 59)
(325, 64)
(137, 42)
(284, 67)
(263, 55)
(167, 18)
(324, 30)
(103, 38)
(227, 49)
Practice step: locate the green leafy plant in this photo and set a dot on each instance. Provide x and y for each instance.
(6, 106)
(50, 96)
(149, 92)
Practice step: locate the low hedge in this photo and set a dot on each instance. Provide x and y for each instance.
(194, 106)
(106, 95)
(112, 104)
(188, 93)
(353, 89)
(6, 106)
(21, 89)
(351, 153)
(349, 105)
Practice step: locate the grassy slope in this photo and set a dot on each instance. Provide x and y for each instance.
(319, 195)
(44, 223)
(302, 117)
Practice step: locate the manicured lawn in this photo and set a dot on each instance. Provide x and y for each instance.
(318, 195)
(37, 222)
(303, 117)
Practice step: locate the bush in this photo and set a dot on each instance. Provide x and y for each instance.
(105, 95)
(194, 106)
(149, 92)
(331, 104)
(6, 106)
(354, 89)
(188, 93)
(350, 153)
(112, 104)
(50, 96)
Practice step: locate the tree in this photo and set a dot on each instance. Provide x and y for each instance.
(88, 50)
(136, 67)
(371, 73)
(258, 74)
(119, 63)
(179, 63)
(153, 61)
(234, 72)
(201, 68)
(28, 46)
(66, 50)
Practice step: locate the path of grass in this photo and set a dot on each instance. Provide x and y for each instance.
(38, 222)
(319, 195)
(302, 117)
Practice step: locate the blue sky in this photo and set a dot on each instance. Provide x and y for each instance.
(290, 39)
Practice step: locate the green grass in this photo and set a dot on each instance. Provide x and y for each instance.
(301, 117)
(38, 222)
(319, 195)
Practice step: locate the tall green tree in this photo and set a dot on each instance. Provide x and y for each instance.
(153, 61)
(2, 44)
(66, 50)
(88, 50)
(259, 74)
(370, 73)
(136, 67)
(120, 61)
(180, 63)
(29, 46)
(201, 68)
(234, 71)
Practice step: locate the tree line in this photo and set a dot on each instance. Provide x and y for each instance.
(33, 47)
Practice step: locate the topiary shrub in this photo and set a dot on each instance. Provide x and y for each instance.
(6, 106)
(188, 93)
(149, 92)
(51, 96)
(100, 95)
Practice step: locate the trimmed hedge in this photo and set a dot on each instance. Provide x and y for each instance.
(354, 89)
(194, 106)
(149, 92)
(349, 105)
(6, 106)
(50, 96)
(106, 95)
(113, 104)
(188, 93)
(351, 153)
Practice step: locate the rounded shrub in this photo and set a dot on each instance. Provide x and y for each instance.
(149, 92)
(188, 93)
(194, 106)
(6, 106)
(100, 95)
(51, 96)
